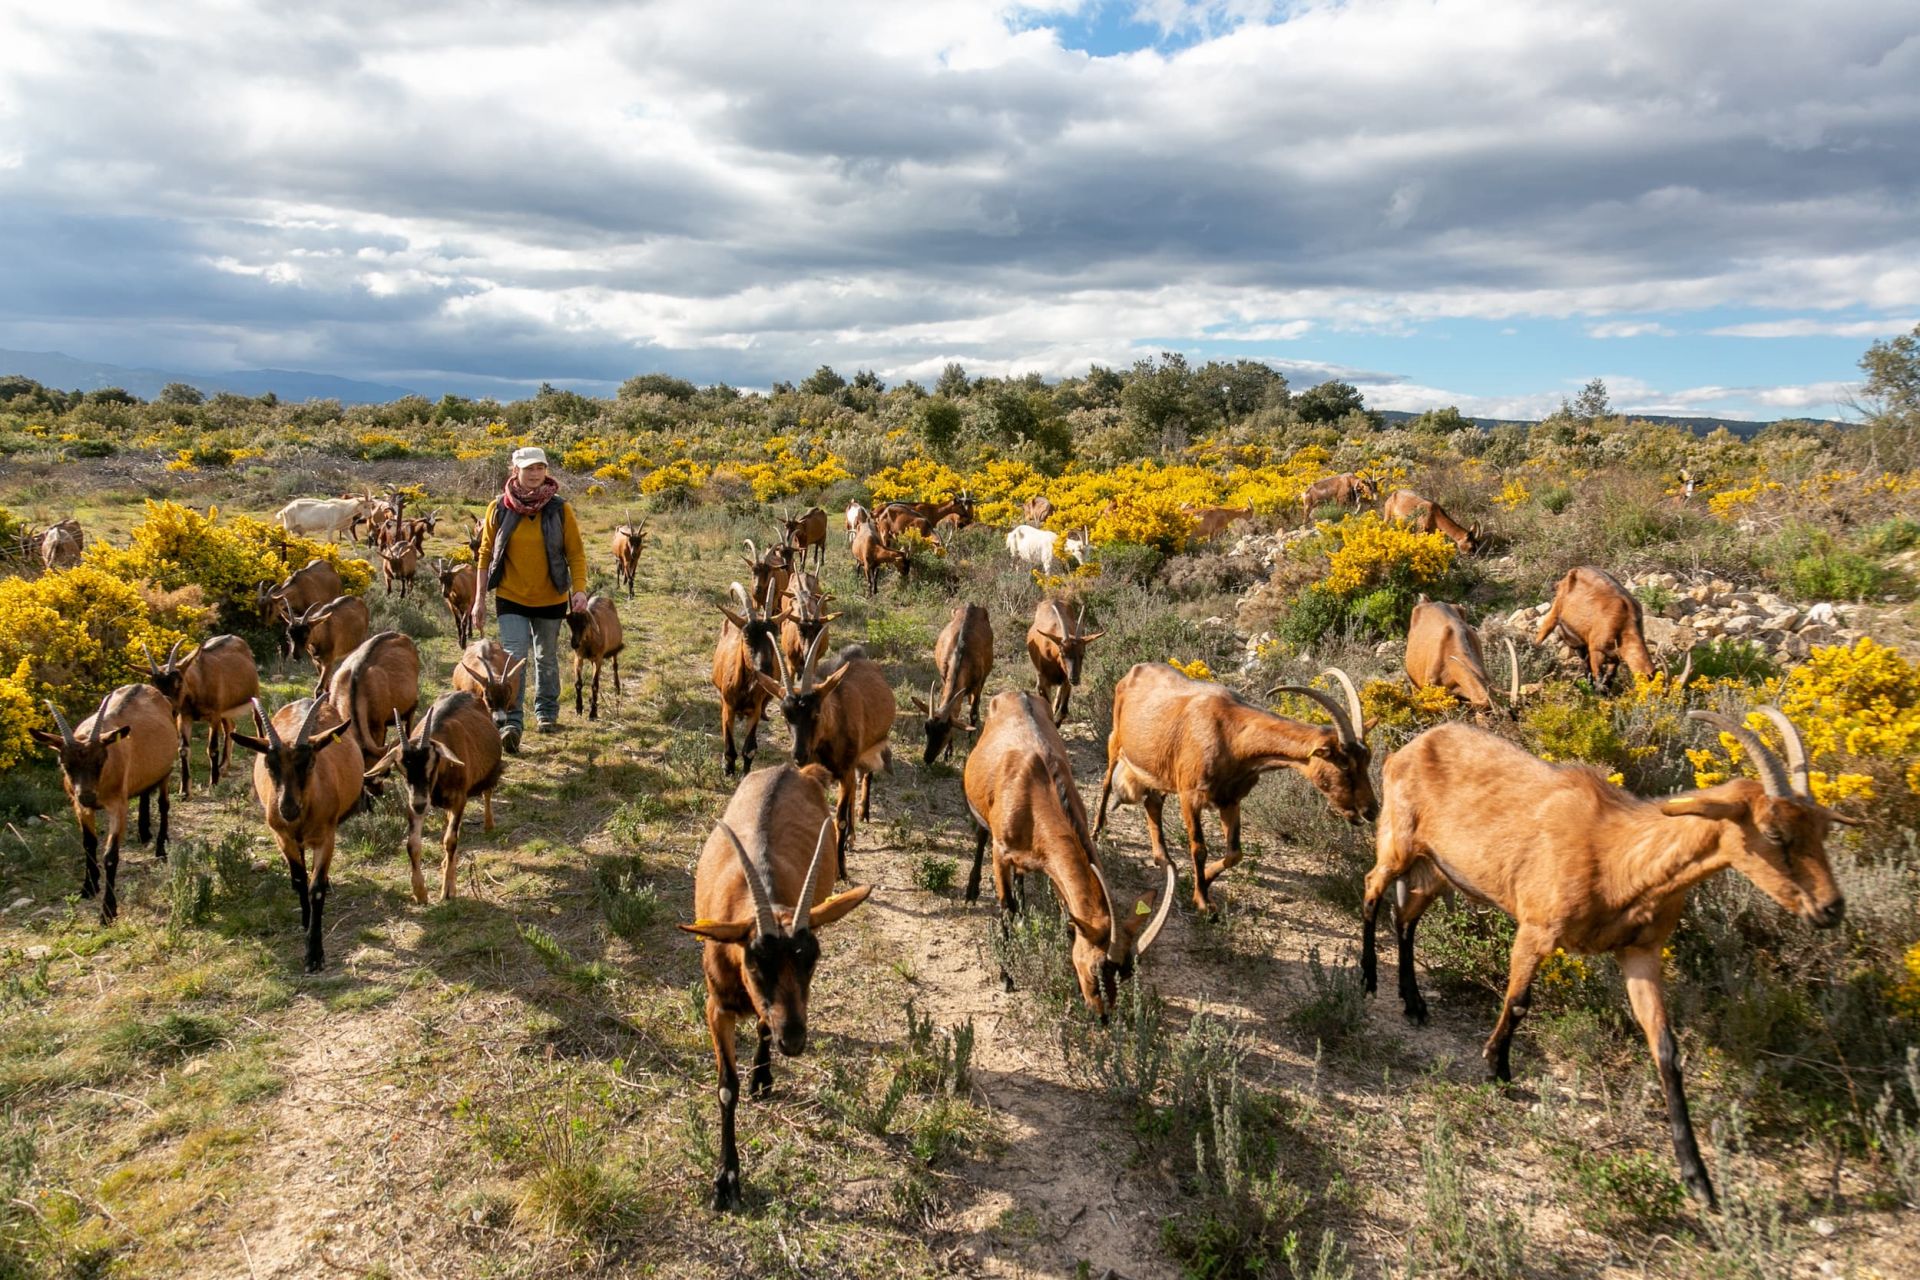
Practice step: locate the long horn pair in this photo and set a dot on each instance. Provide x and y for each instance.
(1797, 765)
(803, 909)
(1773, 774)
(763, 917)
(1345, 719)
(174, 652)
(60, 722)
(306, 722)
(153, 668)
(813, 661)
(1116, 952)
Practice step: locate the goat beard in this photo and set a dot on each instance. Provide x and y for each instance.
(528, 502)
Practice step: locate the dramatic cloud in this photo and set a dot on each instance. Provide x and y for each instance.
(443, 193)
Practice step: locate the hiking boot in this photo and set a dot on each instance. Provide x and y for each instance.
(510, 740)
(548, 726)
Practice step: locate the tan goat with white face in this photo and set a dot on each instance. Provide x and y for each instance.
(1584, 866)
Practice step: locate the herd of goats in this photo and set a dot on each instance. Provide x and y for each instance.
(1580, 864)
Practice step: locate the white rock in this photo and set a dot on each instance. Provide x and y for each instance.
(1822, 615)
(18, 903)
(1740, 625)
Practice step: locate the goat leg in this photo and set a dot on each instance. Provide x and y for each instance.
(160, 840)
(726, 1183)
(323, 859)
(979, 853)
(1190, 812)
(1230, 823)
(594, 713)
(146, 821)
(616, 676)
(579, 704)
(116, 826)
(1153, 805)
(1530, 947)
(1641, 968)
(450, 846)
(760, 1084)
(416, 825)
(296, 874)
(90, 851)
(186, 773)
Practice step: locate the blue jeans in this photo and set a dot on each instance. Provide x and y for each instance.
(518, 634)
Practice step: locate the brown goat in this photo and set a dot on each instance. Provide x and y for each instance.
(1444, 652)
(306, 785)
(328, 633)
(804, 619)
(857, 515)
(1346, 490)
(399, 562)
(458, 582)
(1601, 621)
(474, 529)
(840, 721)
(1036, 510)
(596, 637)
(771, 570)
(313, 583)
(962, 658)
(454, 754)
(1210, 522)
(745, 655)
(1201, 742)
(896, 518)
(629, 540)
(1428, 516)
(376, 681)
(213, 683)
(807, 532)
(1020, 793)
(1584, 866)
(124, 749)
(872, 554)
(767, 851)
(1056, 645)
(61, 546)
(488, 672)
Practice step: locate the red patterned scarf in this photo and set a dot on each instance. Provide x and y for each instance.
(524, 503)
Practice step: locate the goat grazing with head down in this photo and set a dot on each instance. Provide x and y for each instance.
(1585, 866)
(840, 720)
(213, 683)
(1057, 645)
(1203, 743)
(766, 852)
(1021, 796)
(963, 658)
(1036, 510)
(124, 749)
(1345, 490)
(1444, 652)
(1428, 516)
(328, 633)
(629, 540)
(872, 555)
(745, 659)
(597, 638)
(488, 672)
(454, 754)
(307, 777)
(1601, 621)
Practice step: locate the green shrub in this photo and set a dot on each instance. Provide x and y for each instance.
(1335, 1005)
(933, 872)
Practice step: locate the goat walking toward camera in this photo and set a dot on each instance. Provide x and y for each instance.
(458, 583)
(492, 675)
(455, 754)
(596, 637)
(124, 749)
(628, 542)
(306, 784)
(314, 583)
(767, 851)
(1585, 866)
(1203, 743)
(963, 657)
(1021, 796)
(1057, 645)
(213, 683)
(745, 659)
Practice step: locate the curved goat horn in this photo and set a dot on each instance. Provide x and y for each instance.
(813, 661)
(175, 651)
(1773, 775)
(753, 552)
(803, 909)
(306, 721)
(60, 721)
(99, 720)
(1686, 672)
(1326, 700)
(1513, 667)
(1159, 920)
(1797, 767)
(153, 668)
(763, 917)
(1356, 723)
(266, 725)
(1116, 937)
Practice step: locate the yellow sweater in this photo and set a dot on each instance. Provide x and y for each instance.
(526, 580)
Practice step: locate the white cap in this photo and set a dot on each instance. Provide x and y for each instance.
(527, 456)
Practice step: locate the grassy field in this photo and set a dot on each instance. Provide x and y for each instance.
(517, 1083)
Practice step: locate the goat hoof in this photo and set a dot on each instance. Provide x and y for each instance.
(726, 1191)
(314, 964)
(1417, 1012)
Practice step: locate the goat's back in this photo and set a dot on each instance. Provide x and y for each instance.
(777, 814)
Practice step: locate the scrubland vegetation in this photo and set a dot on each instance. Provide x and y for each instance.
(517, 1082)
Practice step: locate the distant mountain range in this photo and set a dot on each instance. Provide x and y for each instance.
(1699, 426)
(53, 369)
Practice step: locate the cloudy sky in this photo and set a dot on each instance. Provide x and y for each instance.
(1712, 205)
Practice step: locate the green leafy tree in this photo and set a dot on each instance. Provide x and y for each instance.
(1592, 401)
(1890, 399)
(1329, 402)
(1101, 388)
(1159, 397)
(954, 383)
(182, 393)
(657, 384)
(1232, 391)
(1441, 421)
(823, 382)
(938, 421)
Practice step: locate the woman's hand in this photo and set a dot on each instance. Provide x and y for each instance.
(578, 603)
(479, 614)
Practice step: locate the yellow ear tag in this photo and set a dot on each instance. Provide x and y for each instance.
(1140, 908)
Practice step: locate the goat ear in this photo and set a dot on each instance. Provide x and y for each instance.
(733, 931)
(256, 745)
(1834, 815)
(327, 735)
(921, 703)
(733, 617)
(1090, 636)
(440, 749)
(769, 686)
(46, 739)
(825, 687)
(1705, 804)
(115, 734)
(825, 913)
(384, 765)
(1098, 937)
